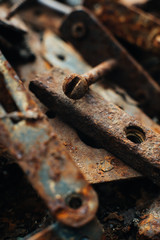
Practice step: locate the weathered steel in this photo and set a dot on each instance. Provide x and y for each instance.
(114, 130)
(98, 45)
(97, 165)
(28, 138)
(149, 226)
(60, 54)
(129, 23)
(75, 86)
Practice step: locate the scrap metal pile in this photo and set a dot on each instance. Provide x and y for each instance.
(79, 120)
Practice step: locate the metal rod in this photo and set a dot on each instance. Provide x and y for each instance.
(75, 86)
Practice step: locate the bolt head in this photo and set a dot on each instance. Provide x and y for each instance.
(75, 86)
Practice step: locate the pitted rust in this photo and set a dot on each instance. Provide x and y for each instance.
(96, 164)
(38, 151)
(149, 225)
(129, 23)
(105, 122)
(133, 78)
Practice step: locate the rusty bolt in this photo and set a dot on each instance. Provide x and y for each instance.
(75, 86)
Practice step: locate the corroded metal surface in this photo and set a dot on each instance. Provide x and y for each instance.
(122, 100)
(96, 164)
(58, 53)
(129, 74)
(32, 142)
(75, 86)
(129, 23)
(122, 203)
(114, 130)
(75, 63)
(149, 226)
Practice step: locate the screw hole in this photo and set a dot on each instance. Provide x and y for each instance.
(135, 134)
(78, 30)
(74, 201)
(50, 114)
(60, 57)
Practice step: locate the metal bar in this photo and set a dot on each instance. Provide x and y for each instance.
(114, 130)
(96, 44)
(96, 164)
(36, 148)
(129, 23)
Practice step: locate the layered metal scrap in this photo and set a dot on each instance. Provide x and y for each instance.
(91, 162)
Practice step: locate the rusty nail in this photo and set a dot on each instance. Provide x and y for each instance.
(75, 86)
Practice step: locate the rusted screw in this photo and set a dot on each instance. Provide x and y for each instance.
(75, 86)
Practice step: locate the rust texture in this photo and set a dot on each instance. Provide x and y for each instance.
(97, 164)
(129, 23)
(75, 63)
(87, 158)
(33, 143)
(44, 195)
(75, 86)
(149, 226)
(129, 74)
(114, 130)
